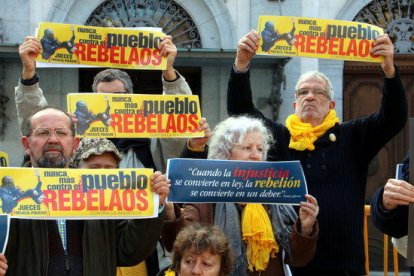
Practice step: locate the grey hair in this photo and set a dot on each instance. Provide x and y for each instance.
(319, 76)
(233, 130)
(109, 75)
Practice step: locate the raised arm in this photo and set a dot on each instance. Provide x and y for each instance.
(28, 94)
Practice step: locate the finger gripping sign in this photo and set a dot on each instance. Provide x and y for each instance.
(195, 180)
(77, 193)
(134, 115)
(317, 38)
(129, 48)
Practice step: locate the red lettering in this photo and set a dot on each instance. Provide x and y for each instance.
(128, 123)
(156, 57)
(364, 49)
(139, 123)
(170, 125)
(91, 199)
(300, 43)
(333, 45)
(145, 56)
(116, 122)
(128, 200)
(102, 54)
(133, 56)
(151, 123)
(181, 123)
(142, 203)
(80, 51)
(64, 197)
(91, 52)
(115, 201)
(78, 201)
(193, 123)
(50, 199)
(342, 52)
(322, 45)
(114, 54)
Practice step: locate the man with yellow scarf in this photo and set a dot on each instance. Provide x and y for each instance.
(335, 156)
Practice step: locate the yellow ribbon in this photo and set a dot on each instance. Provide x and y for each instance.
(258, 233)
(303, 135)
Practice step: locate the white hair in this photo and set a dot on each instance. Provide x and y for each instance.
(232, 131)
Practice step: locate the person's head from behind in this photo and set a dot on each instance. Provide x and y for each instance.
(202, 250)
(112, 81)
(240, 138)
(49, 138)
(314, 97)
(7, 182)
(96, 153)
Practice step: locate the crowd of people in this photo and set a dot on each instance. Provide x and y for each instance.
(322, 236)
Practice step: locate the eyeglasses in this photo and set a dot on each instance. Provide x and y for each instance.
(45, 133)
(301, 93)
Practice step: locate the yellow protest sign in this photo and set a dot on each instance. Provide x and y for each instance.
(4, 159)
(317, 38)
(134, 115)
(129, 48)
(77, 193)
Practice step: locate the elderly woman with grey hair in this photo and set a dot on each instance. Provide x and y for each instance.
(291, 237)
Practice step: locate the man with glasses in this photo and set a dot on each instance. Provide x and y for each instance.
(334, 156)
(138, 152)
(80, 247)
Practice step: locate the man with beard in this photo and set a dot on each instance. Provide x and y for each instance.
(73, 247)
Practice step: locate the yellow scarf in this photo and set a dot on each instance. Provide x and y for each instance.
(169, 272)
(258, 233)
(303, 135)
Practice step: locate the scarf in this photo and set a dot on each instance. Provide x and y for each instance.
(303, 135)
(169, 272)
(227, 218)
(258, 233)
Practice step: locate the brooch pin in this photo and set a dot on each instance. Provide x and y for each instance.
(332, 137)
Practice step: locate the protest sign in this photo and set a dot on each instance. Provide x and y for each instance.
(4, 159)
(128, 48)
(317, 38)
(133, 115)
(199, 180)
(39, 193)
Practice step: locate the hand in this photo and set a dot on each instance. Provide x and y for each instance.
(383, 46)
(160, 185)
(3, 264)
(307, 214)
(28, 52)
(246, 49)
(397, 192)
(198, 143)
(168, 50)
(190, 214)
